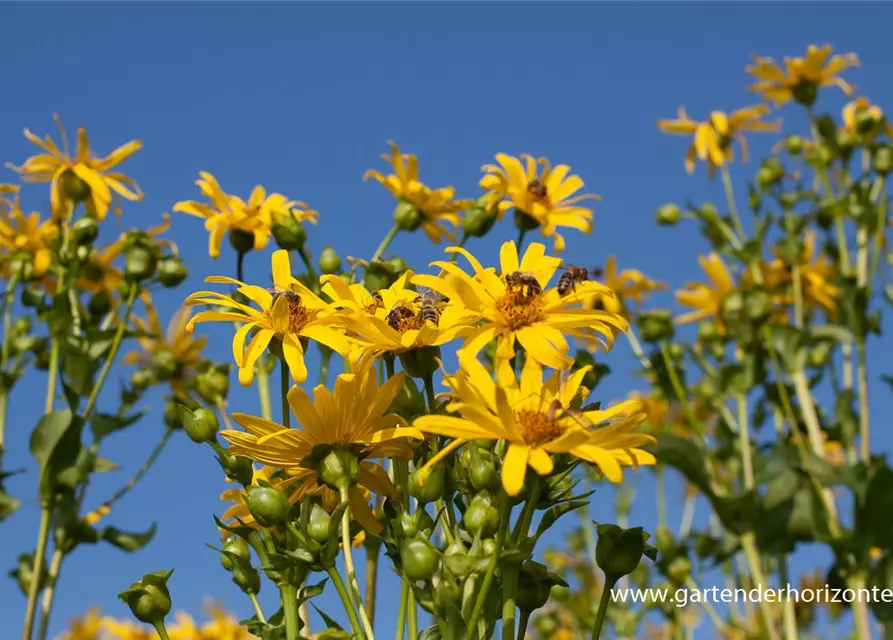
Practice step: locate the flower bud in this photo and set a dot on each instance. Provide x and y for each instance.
(419, 559)
(619, 551)
(398, 266)
(546, 626)
(757, 305)
(213, 383)
(481, 517)
(535, 584)
(268, 505)
(201, 425)
(432, 489)
(339, 468)
(73, 187)
(85, 231)
(378, 276)
(818, 355)
(524, 221)
(488, 547)
(770, 173)
(318, 527)
(141, 379)
(408, 525)
(236, 547)
(140, 263)
(407, 216)
(22, 265)
(24, 572)
(329, 260)
(883, 159)
(481, 469)
(793, 144)
(149, 599)
(478, 220)
(707, 331)
(409, 403)
(247, 579)
(33, 298)
(100, 304)
(664, 538)
(865, 122)
(732, 307)
(173, 414)
(668, 214)
(656, 325)
(237, 468)
(420, 363)
(708, 212)
(172, 271)
(679, 570)
(241, 241)
(289, 233)
(166, 365)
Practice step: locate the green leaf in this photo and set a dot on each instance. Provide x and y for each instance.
(242, 530)
(8, 505)
(103, 424)
(129, 542)
(430, 633)
(551, 515)
(330, 623)
(878, 508)
(55, 445)
(686, 457)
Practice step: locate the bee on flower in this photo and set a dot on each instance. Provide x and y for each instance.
(83, 177)
(542, 198)
(801, 78)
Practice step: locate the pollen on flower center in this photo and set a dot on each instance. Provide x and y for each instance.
(537, 427)
(538, 191)
(519, 307)
(403, 318)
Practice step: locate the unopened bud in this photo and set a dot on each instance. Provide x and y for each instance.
(85, 231)
(234, 547)
(329, 260)
(478, 220)
(481, 517)
(619, 551)
(432, 489)
(289, 233)
(73, 187)
(378, 276)
(339, 469)
(668, 214)
(241, 241)
(201, 425)
(656, 325)
(420, 560)
(422, 362)
(149, 599)
(524, 221)
(268, 505)
(172, 271)
(140, 263)
(407, 216)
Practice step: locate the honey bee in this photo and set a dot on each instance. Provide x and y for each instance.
(537, 189)
(430, 305)
(399, 314)
(574, 275)
(376, 303)
(291, 296)
(523, 283)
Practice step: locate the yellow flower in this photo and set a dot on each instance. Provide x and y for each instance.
(27, 234)
(435, 206)
(392, 321)
(177, 346)
(350, 418)
(290, 313)
(238, 513)
(82, 177)
(713, 138)
(801, 77)
(518, 306)
(534, 419)
(6, 203)
(127, 630)
(86, 627)
(222, 626)
(546, 196)
(705, 299)
(97, 514)
(628, 285)
(815, 273)
(859, 108)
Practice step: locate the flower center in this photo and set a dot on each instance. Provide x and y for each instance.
(538, 191)
(403, 318)
(522, 304)
(299, 316)
(537, 427)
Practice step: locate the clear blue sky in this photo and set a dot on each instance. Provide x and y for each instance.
(302, 98)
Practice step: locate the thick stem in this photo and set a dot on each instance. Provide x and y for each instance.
(384, 243)
(355, 625)
(429, 393)
(49, 593)
(730, 199)
(290, 608)
(372, 553)
(711, 611)
(311, 271)
(509, 589)
(263, 388)
(744, 441)
(350, 568)
(790, 616)
(325, 359)
(522, 624)
(52, 376)
(602, 607)
(43, 531)
(864, 423)
(660, 490)
(4, 360)
(401, 611)
(258, 611)
(505, 512)
(521, 234)
(285, 383)
(756, 572)
(162, 632)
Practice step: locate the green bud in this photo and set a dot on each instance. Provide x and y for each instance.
(173, 413)
(141, 379)
(289, 233)
(85, 231)
(378, 276)
(757, 305)
(420, 363)
(100, 304)
(865, 122)
(73, 187)
(707, 331)
(481, 469)
(793, 144)
(669, 214)
(409, 403)
(847, 141)
(432, 489)
(407, 216)
(766, 177)
(679, 570)
(535, 584)
(149, 599)
(408, 525)
(448, 592)
(318, 527)
(24, 572)
(546, 626)
(664, 539)
(419, 559)
(201, 425)
(166, 365)
(457, 560)
(241, 241)
(397, 266)
(235, 546)
(619, 551)
(237, 468)
(268, 505)
(33, 298)
(883, 159)
(22, 265)
(213, 383)
(247, 579)
(140, 263)
(827, 128)
(329, 260)
(172, 271)
(481, 517)
(339, 469)
(656, 325)
(708, 212)
(525, 222)
(732, 307)
(478, 220)
(488, 547)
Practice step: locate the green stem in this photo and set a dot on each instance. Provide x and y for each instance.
(290, 608)
(862, 383)
(4, 360)
(263, 388)
(49, 593)
(162, 632)
(384, 243)
(258, 610)
(372, 553)
(509, 589)
(522, 527)
(110, 359)
(429, 392)
(602, 607)
(37, 572)
(730, 199)
(461, 243)
(350, 568)
(325, 359)
(401, 611)
(522, 624)
(878, 235)
(790, 617)
(240, 266)
(52, 375)
(412, 623)
(505, 512)
(744, 441)
(355, 625)
(521, 234)
(660, 481)
(311, 271)
(285, 383)
(756, 571)
(676, 383)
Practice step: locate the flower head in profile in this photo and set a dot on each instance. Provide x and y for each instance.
(86, 627)
(817, 271)
(348, 423)
(801, 77)
(705, 298)
(630, 286)
(396, 319)
(543, 193)
(83, 177)
(535, 419)
(518, 305)
(418, 205)
(176, 353)
(861, 113)
(27, 234)
(712, 140)
(290, 313)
